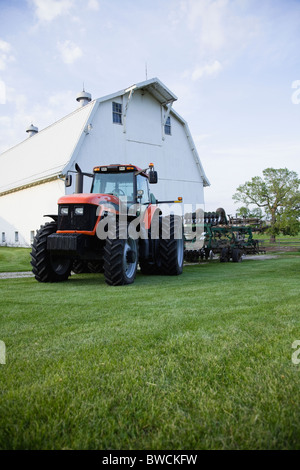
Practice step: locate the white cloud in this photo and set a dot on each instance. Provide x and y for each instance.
(5, 54)
(211, 69)
(64, 100)
(210, 15)
(69, 51)
(47, 10)
(4, 46)
(217, 25)
(27, 111)
(5, 121)
(93, 5)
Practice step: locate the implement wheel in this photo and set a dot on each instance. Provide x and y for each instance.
(46, 266)
(237, 255)
(225, 256)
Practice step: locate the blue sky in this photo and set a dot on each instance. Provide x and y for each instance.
(234, 65)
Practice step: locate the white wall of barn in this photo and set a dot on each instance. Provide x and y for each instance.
(22, 212)
(139, 140)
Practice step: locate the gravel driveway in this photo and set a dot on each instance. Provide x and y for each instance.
(16, 275)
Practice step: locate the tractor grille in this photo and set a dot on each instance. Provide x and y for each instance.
(72, 221)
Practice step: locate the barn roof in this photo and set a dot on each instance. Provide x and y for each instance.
(49, 153)
(45, 154)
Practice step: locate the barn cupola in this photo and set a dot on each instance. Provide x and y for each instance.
(31, 130)
(83, 98)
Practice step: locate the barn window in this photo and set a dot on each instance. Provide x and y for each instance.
(117, 113)
(3, 237)
(16, 237)
(168, 126)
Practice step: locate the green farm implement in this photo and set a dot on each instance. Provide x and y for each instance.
(211, 233)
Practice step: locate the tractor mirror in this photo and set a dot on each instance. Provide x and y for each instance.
(68, 181)
(153, 177)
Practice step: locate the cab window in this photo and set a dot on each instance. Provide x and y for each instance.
(142, 183)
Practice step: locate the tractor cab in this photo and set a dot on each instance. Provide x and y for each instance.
(126, 182)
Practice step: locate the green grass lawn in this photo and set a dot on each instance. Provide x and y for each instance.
(199, 361)
(14, 259)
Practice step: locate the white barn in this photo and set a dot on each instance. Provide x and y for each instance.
(137, 125)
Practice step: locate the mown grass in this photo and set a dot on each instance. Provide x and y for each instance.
(14, 259)
(199, 361)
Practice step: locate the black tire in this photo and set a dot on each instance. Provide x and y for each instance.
(224, 257)
(153, 266)
(237, 255)
(80, 267)
(120, 261)
(172, 246)
(48, 267)
(95, 266)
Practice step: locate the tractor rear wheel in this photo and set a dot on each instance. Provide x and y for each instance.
(172, 246)
(46, 266)
(120, 260)
(95, 266)
(80, 267)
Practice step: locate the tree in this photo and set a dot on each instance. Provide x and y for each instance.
(278, 194)
(249, 213)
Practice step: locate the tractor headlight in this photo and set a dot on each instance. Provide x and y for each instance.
(64, 211)
(78, 210)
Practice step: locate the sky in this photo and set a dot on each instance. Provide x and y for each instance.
(233, 64)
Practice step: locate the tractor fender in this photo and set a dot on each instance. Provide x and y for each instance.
(151, 212)
(52, 216)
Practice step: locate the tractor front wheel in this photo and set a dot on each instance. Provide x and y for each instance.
(120, 261)
(46, 266)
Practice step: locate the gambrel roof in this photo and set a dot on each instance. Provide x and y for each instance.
(51, 152)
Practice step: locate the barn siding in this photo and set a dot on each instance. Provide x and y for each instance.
(23, 211)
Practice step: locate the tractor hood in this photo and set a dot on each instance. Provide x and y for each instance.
(88, 198)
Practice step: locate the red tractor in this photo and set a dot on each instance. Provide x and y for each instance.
(112, 229)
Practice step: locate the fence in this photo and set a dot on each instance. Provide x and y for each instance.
(281, 244)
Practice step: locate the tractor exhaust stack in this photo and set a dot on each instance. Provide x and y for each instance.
(79, 180)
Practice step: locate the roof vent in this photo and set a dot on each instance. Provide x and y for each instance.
(83, 98)
(32, 130)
